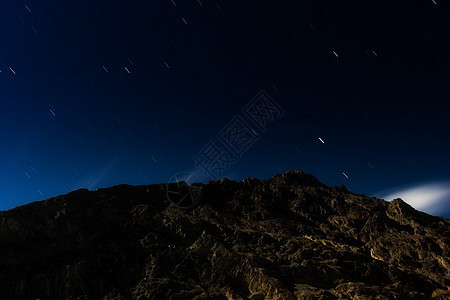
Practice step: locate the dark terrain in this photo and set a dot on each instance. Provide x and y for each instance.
(288, 237)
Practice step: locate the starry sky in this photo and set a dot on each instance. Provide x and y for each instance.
(98, 93)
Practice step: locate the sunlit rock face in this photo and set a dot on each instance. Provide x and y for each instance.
(288, 237)
(433, 198)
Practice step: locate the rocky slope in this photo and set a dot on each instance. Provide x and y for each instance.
(288, 237)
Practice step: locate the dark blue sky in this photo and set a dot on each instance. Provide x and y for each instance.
(97, 94)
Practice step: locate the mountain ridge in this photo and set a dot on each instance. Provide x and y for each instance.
(286, 237)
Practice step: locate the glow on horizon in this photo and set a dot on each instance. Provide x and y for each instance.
(428, 197)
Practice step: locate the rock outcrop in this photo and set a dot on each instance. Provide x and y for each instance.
(287, 237)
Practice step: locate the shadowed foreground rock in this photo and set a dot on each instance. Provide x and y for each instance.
(288, 237)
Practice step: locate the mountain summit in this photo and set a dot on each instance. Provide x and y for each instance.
(287, 237)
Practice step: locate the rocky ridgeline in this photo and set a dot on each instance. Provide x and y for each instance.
(288, 237)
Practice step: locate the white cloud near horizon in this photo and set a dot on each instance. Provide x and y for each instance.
(428, 197)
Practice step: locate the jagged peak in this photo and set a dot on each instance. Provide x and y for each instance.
(296, 176)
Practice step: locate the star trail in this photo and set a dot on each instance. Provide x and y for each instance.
(94, 94)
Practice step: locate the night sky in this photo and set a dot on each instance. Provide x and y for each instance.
(98, 93)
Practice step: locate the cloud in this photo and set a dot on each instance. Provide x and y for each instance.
(433, 198)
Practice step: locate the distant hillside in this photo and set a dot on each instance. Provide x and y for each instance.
(288, 237)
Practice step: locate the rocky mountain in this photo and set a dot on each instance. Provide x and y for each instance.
(287, 237)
